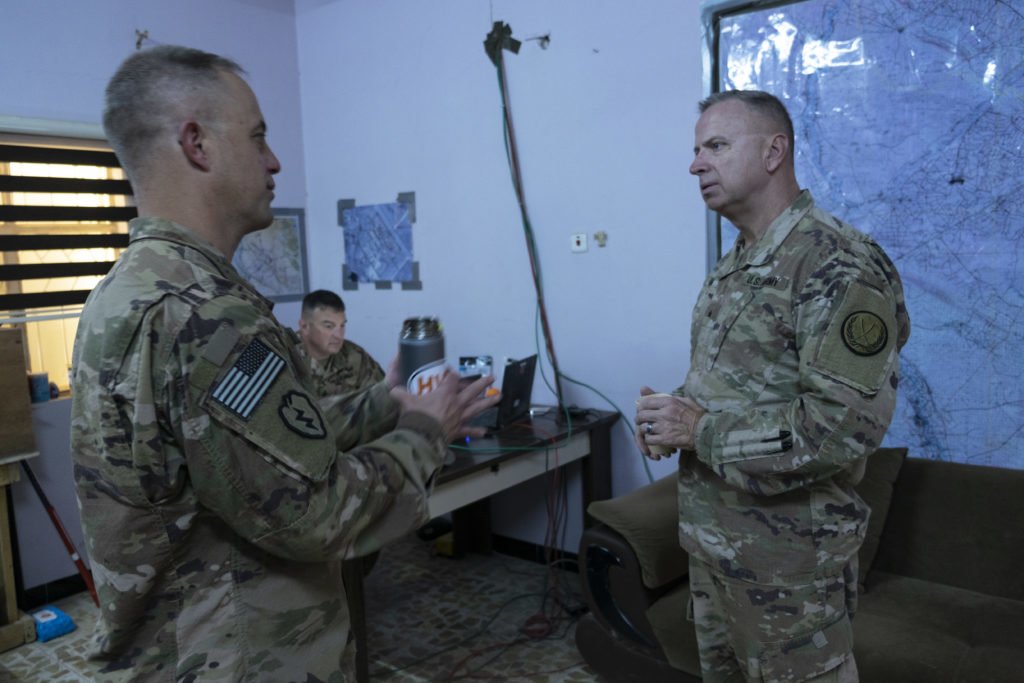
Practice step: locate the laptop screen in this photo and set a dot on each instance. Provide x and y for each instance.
(516, 390)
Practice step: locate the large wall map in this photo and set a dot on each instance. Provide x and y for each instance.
(909, 120)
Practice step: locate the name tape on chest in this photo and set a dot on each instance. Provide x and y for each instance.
(249, 379)
(754, 281)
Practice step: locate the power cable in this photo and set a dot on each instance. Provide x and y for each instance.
(497, 42)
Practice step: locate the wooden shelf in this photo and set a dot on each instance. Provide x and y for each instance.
(13, 459)
(15, 628)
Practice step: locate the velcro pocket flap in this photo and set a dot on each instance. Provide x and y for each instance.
(860, 343)
(246, 384)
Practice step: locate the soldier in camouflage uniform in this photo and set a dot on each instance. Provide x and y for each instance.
(338, 365)
(218, 497)
(792, 384)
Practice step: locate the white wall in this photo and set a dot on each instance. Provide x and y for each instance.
(400, 96)
(57, 57)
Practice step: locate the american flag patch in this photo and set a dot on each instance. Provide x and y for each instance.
(248, 381)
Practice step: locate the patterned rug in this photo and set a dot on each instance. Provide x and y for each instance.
(430, 618)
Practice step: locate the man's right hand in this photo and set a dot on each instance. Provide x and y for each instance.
(665, 423)
(451, 403)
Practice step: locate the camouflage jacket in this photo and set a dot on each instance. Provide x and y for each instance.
(348, 370)
(794, 354)
(217, 495)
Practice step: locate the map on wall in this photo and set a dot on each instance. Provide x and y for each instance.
(378, 242)
(274, 259)
(909, 121)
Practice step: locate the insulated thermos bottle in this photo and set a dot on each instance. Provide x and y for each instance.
(421, 361)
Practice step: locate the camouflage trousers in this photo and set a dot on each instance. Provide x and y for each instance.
(764, 634)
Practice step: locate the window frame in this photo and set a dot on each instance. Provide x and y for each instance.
(40, 313)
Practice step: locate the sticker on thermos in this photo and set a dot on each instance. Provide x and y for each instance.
(425, 379)
(421, 354)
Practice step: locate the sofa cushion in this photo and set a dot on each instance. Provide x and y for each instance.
(986, 663)
(908, 630)
(957, 524)
(883, 467)
(648, 518)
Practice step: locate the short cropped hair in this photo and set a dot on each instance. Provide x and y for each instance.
(765, 104)
(147, 91)
(321, 298)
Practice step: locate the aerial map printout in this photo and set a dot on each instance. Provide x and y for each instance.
(909, 121)
(378, 242)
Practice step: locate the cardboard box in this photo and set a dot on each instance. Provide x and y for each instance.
(16, 434)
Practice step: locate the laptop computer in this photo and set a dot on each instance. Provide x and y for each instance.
(516, 390)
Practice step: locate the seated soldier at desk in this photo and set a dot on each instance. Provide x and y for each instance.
(338, 365)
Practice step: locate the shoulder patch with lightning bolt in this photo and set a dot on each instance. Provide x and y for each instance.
(301, 416)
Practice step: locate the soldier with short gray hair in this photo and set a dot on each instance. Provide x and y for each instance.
(792, 384)
(218, 493)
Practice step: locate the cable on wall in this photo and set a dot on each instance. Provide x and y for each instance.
(497, 41)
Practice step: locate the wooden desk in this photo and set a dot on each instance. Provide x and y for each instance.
(15, 628)
(487, 466)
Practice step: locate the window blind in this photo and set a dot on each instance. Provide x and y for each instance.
(63, 222)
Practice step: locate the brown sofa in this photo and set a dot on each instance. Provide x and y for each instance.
(942, 579)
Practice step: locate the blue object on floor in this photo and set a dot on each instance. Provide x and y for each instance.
(51, 623)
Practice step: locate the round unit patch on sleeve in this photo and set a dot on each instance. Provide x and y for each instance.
(299, 415)
(864, 333)
(858, 346)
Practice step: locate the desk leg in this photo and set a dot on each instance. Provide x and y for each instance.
(9, 607)
(596, 470)
(15, 629)
(352, 575)
(471, 528)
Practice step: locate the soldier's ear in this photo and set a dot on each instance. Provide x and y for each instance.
(191, 137)
(776, 152)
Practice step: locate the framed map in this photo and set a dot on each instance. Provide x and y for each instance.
(274, 259)
(909, 122)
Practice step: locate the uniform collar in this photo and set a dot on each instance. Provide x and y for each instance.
(153, 228)
(313, 362)
(762, 251)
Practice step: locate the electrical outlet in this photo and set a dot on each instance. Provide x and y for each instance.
(578, 242)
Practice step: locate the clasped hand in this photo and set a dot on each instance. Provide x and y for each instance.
(665, 421)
